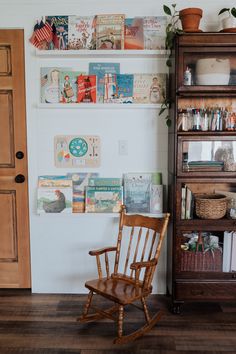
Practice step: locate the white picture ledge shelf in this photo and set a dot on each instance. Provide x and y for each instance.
(98, 106)
(103, 53)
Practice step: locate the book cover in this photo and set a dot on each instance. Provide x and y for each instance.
(109, 88)
(154, 29)
(50, 84)
(110, 31)
(183, 202)
(105, 181)
(149, 88)
(54, 200)
(188, 204)
(134, 38)
(100, 69)
(61, 24)
(103, 199)
(156, 199)
(227, 245)
(80, 180)
(69, 86)
(86, 89)
(81, 32)
(124, 88)
(137, 191)
(57, 181)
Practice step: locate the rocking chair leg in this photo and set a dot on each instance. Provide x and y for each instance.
(87, 304)
(120, 321)
(145, 310)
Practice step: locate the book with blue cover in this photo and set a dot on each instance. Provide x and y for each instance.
(61, 24)
(137, 192)
(124, 88)
(100, 69)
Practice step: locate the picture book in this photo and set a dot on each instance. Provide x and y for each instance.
(156, 199)
(54, 200)
(110, 88)
(69, 86)
(54, 194)
(134, 38)
(149, 88)
(100, 69)
(86, 89)
(56, 181)
(103, 199)
(154, 29)
(81, 32)
(137, 191)
(110, 31)
(61, 24)
(50, 84)
(103, 181)
(79, 181)
(124, 88)
(77, 151)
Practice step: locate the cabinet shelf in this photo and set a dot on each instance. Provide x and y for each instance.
(103, 53)
(97, 106)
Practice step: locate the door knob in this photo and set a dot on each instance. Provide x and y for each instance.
(19, 178)
(19, 155)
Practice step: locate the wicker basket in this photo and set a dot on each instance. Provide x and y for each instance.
(201, 261)
(211, 206)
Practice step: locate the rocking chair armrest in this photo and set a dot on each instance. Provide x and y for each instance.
(102, 250)
(146, 264)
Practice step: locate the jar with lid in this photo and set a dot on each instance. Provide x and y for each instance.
(232, 209)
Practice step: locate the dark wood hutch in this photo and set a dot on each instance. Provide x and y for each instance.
(202, 160)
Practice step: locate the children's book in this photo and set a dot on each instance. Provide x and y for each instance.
(54, 194)
(110, 88)
(51, 181)
(137, 191)
(124, 88)
(107, 182)
(61, 24)
(149, 88)
(110, 31)
(80, 180)
(134, 38)
(50, 84)
(103, 199)
(81, 32)
(154, 28)
(100, 69)
(69, 86)
(86, 89)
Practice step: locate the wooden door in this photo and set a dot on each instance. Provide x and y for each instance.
(14, 218)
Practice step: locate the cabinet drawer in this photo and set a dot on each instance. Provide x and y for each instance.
(205, 291)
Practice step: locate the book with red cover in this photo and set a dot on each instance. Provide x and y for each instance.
(134, 38)
(86, 89)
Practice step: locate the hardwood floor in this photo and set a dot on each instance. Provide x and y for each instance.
(46, 324)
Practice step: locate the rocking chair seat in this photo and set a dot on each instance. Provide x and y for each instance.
(118, 290)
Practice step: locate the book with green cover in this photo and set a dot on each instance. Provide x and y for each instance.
(105, 181)
(103, 199)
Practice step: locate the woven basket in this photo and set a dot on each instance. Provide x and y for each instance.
(201, 261)
(211, 206)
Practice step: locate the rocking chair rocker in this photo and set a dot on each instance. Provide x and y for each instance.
(141, 237)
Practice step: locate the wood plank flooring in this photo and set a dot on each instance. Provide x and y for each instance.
(46, 324)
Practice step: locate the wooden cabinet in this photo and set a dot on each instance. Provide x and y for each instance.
(202, 161)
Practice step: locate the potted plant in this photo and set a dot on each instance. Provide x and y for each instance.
(228, 22)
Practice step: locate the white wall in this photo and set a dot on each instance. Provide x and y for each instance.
(60, 243)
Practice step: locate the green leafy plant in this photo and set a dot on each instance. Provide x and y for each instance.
(172, 27)
(164, 106)
(231, 11)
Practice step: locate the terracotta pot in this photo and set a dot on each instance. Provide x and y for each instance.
(190, 19)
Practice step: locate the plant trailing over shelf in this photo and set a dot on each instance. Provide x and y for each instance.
(230, 20)
(164, 106)
(172, 27)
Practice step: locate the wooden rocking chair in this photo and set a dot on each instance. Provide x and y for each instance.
(142, 237)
